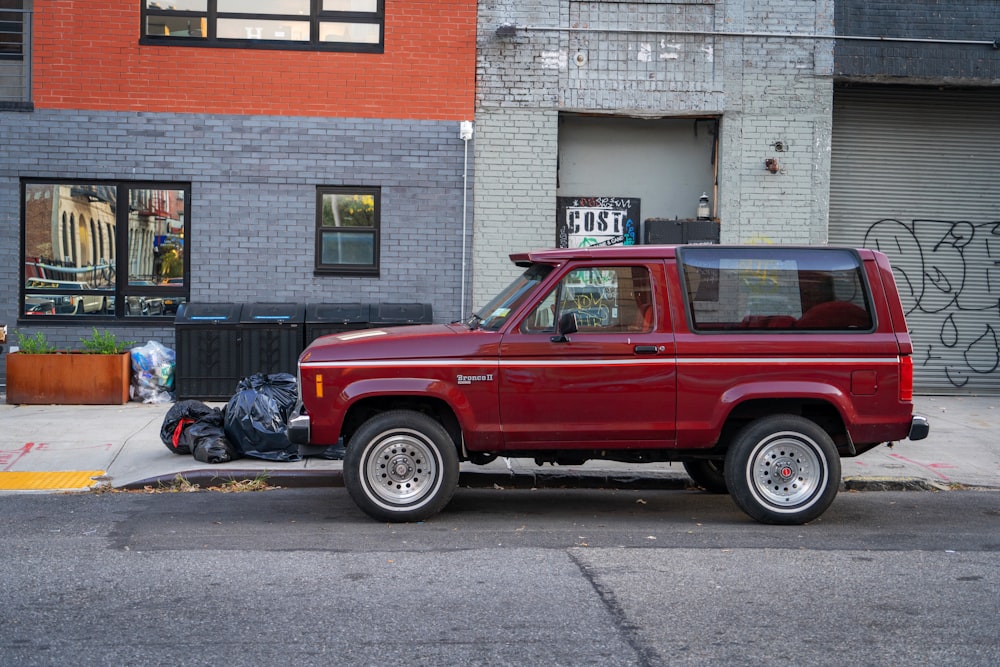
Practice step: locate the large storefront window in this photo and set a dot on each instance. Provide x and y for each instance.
(322, 25)
(104, 250)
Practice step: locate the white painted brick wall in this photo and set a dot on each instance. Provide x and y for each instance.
(765, 89)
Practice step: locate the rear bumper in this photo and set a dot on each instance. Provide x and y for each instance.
(919, 428)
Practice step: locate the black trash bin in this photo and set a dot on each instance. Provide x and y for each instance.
(399, 314)
(272, 337)
(207, 341)
(329, 318)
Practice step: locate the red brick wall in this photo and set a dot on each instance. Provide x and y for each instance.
(86, 55)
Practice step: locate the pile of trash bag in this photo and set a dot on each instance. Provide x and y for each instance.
(153, 373)
(253, 423)
(257, 416)
(192, 427)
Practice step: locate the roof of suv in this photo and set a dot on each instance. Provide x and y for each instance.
(560, 255)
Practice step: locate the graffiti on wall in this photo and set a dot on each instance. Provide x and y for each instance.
(596, 221)
(948, 276)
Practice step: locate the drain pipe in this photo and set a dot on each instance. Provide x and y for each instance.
(465, 132)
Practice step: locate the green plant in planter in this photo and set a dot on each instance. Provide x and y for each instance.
(36, 343)
(105, 343)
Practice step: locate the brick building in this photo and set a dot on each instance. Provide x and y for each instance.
(861, 122)
(652, 103)
(915, 172)
(803, 121)
(290, 152)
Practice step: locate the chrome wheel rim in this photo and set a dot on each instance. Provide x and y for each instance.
(402, 467)
(787, 470)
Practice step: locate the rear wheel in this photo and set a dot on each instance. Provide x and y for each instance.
(401, 466)
(783, 469)
(709, 474)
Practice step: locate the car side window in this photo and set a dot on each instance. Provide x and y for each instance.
(610, 299)
(749, 289)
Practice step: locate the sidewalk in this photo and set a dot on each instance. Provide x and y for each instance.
(78, 447)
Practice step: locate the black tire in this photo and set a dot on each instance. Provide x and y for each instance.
(401, 466)
(783, 469)
(709, 474)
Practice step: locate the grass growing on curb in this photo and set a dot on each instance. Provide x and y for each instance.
(258, 483)
(179, 484)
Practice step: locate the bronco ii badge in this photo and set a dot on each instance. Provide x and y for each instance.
(469, 379)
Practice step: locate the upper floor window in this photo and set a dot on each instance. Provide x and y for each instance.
(325, 25)
(347, 230)
(13, 15)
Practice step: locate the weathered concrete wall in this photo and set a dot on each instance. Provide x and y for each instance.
(772, 91)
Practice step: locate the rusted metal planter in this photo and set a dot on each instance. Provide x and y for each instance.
(68, 378)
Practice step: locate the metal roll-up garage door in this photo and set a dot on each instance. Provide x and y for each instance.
(915, 172)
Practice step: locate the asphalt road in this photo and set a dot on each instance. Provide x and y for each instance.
(502, 577)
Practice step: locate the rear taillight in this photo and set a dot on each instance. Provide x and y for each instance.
(906, 379)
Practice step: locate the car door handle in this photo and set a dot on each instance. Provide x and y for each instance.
(645, 349)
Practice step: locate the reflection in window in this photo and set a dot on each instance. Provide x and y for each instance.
(72, 233)
(357, 33)
(347, 230)
(791, 289)
(12, 13)
(300, 7)
(349, 25)
(257, 29)
(350, 5)
(614, 299)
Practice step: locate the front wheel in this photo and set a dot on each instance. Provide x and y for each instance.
(401, 466)
(783, 469)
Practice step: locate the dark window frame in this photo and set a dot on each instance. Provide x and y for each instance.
(375, 231)
(123, 289)
(316, 16)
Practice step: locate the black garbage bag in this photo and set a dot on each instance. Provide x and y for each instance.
(209, 437)
(256, 419)
(173, 431)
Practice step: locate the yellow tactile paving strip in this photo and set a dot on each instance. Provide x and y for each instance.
(40, 481)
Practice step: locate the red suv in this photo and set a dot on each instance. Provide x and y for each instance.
(758, 367)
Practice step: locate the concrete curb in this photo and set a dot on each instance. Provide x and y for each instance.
(207, 479)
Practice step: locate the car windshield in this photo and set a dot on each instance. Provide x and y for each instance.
(492, 316)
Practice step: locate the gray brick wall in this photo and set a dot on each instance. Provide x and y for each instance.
(515, 192)
(253, 193)
(767, 90)
(929, 62)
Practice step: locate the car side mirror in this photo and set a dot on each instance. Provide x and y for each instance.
(567, 325)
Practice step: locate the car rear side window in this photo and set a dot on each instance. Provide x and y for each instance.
(782, 289)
